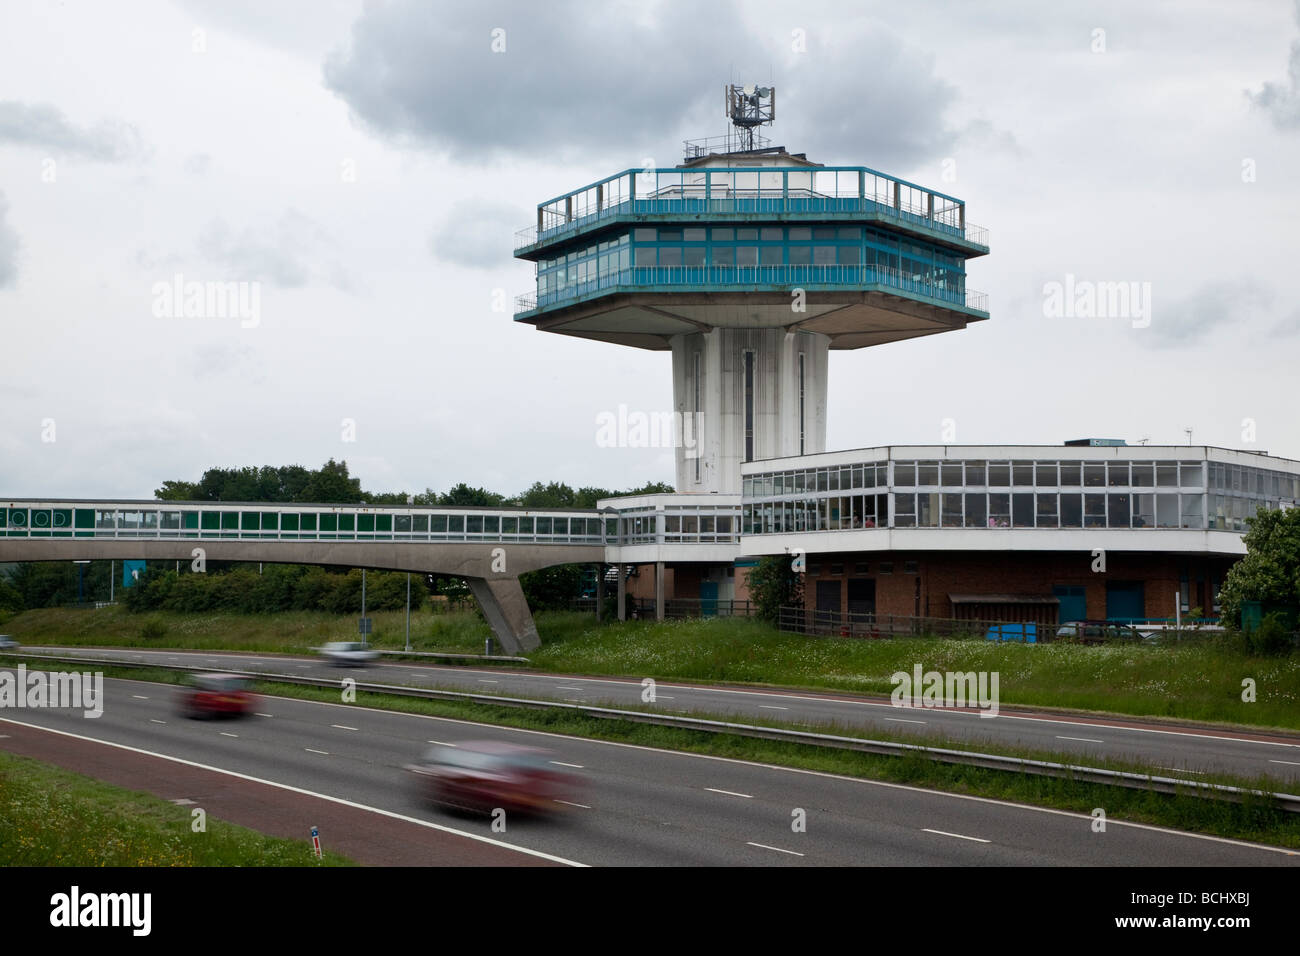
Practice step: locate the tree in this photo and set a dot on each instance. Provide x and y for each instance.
(1270, 571)
(773, 584)
(463, 496)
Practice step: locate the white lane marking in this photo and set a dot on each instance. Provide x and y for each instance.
(1086, 740)
(482, 681)
(557, 686)
(342, 727)
(260, 714)
(182, 802)
(664, 697)
(573, 700)
(155, 720)
(1180, 770)
(959, 836)
(568, 804)
(1291, 763)
(561, 763)
(224, 734)
(904, 720)
(732, 793)
(309, 793)
(323, 753)
(139, 697)
(764, 846)
(441, 743)
(771, 707)
(4, 736)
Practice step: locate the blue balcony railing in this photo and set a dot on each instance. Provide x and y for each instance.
(754, 278)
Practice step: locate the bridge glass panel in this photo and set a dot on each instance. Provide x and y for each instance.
(310, 521)
(329, 522)
(170, 521)
(438, 524)
(492, 524)
(289, 522)
(347, 523)
(402, 524)
(229, 520)
(456, 524)
(384, 524)
(419, 524)
(473, 524)
(250, 521)
(526, 525)
(270, 521)
(543, 525)
(509, 524)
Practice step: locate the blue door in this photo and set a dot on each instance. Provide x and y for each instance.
(709, 598)
(1125, 601)
(1074, 603)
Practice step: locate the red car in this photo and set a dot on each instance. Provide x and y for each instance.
(482, 775)
(216, 695)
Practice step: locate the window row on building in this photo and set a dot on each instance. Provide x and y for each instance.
(1002, 510)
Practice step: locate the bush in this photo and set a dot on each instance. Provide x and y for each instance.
(1271, 637)
(774, 584)
(153, 630)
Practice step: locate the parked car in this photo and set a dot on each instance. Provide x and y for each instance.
(1097, 632)
(216, 695)
(349, 653)
(480, 776)
(7, 643)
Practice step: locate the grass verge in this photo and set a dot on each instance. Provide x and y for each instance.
(54, 817)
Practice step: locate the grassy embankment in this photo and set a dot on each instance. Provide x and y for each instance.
(54, 817)
(1200, 682)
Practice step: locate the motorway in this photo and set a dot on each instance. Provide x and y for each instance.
(637, 806)
(1189, 750)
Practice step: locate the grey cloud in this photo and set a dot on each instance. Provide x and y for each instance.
(577, 79)
(198, 163)
(295, 252)
(225, 361)
(478, 234)
(8, 247)
(1228, 308)
(1288, 328)
(43, 127)
(1282, 100)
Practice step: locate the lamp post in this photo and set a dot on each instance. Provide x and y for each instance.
(408, 610)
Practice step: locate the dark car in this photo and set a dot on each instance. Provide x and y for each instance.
(216, 695)
(480, 776)
(1097, 632)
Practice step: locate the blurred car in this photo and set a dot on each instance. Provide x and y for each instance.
(1097, 632)
(7, 643)
(349, 653)
(216, 695)
(480, 776)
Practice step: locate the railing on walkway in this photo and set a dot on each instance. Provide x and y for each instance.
(777, 277)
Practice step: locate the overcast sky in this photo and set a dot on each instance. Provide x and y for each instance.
(366, 165)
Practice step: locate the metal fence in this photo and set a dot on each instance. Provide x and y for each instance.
(800, 620)
(675, 608)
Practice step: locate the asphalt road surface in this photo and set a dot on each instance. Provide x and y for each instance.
(637, 806)
(1184, 749)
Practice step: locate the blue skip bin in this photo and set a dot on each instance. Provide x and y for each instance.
(1026, 633)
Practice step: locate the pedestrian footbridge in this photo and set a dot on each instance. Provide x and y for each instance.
(488, 547)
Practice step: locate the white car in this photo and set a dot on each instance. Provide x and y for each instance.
(7, 643)
(349, 653)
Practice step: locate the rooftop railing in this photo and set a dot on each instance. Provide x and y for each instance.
(752, 191)
(781, 278)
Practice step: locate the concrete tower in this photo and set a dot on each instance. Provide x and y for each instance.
(749, 264)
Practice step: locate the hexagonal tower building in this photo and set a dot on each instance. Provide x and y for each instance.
(749, 264)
